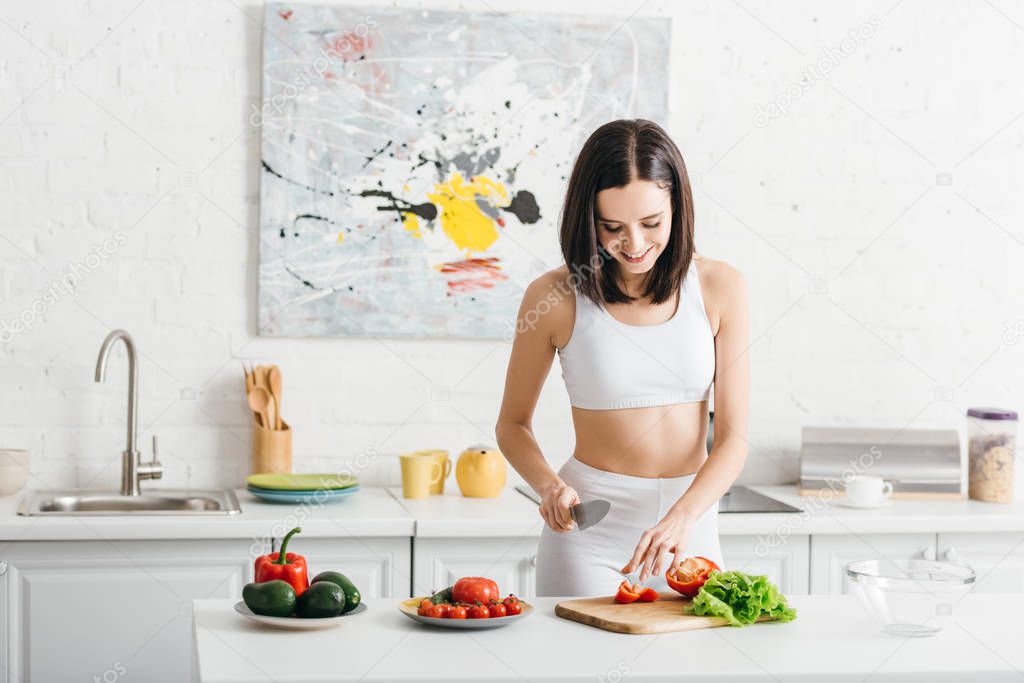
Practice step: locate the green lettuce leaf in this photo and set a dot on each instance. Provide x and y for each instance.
(741, 599)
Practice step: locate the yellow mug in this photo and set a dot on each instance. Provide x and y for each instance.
(441, 457)
(419, 473)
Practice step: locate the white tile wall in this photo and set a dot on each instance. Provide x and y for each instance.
(879, 223)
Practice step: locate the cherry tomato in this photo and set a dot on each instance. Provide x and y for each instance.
(425, 604)
(479, 611)
(514, 608)
(689, 575)
(458, 612)
(436, 611)
(498, 610)
(472, 588)
(510, 599)
(445, 609)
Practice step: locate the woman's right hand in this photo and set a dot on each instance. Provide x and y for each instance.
(555, 503)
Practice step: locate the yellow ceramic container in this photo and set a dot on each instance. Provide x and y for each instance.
(480, 472)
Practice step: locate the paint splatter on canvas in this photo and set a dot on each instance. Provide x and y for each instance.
(413, 162)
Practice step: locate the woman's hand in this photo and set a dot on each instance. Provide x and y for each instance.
(668, 536)
(555, 503)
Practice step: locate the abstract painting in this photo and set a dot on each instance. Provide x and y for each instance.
(414, 162)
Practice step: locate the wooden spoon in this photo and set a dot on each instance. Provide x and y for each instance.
(274, 380)
(259, 401)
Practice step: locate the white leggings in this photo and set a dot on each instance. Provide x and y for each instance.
(587, 563)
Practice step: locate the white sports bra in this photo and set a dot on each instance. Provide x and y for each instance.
(608, 364)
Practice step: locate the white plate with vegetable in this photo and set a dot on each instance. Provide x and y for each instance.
(297, 623)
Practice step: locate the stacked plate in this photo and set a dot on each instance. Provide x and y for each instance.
(302, 488)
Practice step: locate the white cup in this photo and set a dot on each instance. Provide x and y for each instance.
(868, 491)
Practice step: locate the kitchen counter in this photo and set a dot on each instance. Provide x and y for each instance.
(513, 515)
(382, 512)
(903, 516)
(371, 512)
(510, 515)
(831, 639)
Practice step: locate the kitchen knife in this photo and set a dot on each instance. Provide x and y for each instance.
(584, 514)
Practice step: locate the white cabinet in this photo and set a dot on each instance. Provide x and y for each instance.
(997, 558)
(784, 563)
(379, 567)
(511, 562)
(107, 610)
(830, 554)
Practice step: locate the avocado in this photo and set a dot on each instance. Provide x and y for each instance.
(352, 597)
(270, 598)
(321, 600)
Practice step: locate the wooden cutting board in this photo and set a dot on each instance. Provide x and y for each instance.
(661, 616)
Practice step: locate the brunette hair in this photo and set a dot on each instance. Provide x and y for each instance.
(615, 154)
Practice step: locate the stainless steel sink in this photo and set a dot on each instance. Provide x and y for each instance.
(149, 502)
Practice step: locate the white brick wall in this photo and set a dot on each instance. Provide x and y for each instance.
(110, 109)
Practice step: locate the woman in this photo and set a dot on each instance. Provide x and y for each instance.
(642, 327)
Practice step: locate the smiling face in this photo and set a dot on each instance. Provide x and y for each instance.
(634, 223)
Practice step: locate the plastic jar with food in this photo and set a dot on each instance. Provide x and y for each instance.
(991, 447)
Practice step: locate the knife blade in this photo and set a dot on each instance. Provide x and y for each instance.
(584, 514)
(589, 513)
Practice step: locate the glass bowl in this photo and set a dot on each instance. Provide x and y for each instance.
(912, 598)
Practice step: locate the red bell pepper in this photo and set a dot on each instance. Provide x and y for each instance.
(628, 592)
(689, 575)
(648, 595)
(286, 566)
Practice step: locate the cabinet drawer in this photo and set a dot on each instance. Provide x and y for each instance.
(830, 554)
(997, 558)
(511, 562)
(785, 564)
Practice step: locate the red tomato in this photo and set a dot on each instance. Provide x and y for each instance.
(498, 610)
(689, 575)
(479, 612)
(513, 605)
(425, 604)
(458, 612)
(472, 588)
(628, 592)
(435, 612)
(648, 595)
(445, 609)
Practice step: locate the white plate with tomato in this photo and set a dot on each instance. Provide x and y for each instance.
(472, 602)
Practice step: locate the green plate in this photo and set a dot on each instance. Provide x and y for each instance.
(301, 482)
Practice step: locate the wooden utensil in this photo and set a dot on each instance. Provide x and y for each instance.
(661, 616)
(248, 379)
(274, 381)
(259, 401)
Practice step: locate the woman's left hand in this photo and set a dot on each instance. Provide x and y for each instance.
(668, 536)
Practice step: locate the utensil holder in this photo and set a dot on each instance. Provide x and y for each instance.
(271, 449)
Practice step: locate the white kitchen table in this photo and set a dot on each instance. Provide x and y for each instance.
(832, 640)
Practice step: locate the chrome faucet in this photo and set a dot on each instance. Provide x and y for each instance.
(132, 470)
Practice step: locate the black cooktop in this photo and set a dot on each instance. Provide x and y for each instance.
(743, 499)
